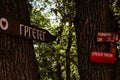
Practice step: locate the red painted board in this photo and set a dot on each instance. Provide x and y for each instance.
(107, 37)
(102, 57)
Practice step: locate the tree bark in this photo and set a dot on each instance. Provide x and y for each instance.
(68, 70)
(92, 16)
(17, 57)
(58, 65)
(59, 71)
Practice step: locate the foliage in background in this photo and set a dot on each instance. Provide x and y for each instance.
(54, 16)
(116, 13)
(57, 17)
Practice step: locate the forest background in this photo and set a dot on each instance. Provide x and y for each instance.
(58, 60)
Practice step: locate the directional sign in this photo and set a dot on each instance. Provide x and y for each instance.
(107, 37)
(102, 57)
(13, 27)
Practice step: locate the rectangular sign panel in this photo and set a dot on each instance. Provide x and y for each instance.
(102, 57)
(107, 37)
(13, 27)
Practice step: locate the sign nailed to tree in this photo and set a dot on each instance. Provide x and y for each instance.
(102, 57)
(15, 28)
(107, 37)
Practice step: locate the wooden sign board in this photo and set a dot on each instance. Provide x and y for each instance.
(102, 57)
(107, 37)
(13, 27)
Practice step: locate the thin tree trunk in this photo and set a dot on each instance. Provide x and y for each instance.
(58, 66)
(59, 71)
(68, 70)
(17, 57)
(92, 16)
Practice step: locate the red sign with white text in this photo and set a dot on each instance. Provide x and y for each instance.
(107, 37)
(102, 57)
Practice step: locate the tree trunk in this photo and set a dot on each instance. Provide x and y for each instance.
(59, 71)
(68, 70)
(92, 16)
(17, 57)
(117, 70)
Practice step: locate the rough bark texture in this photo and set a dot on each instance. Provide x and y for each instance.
(17, 57)
(92, 16)
(117, 70)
